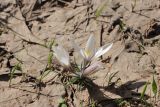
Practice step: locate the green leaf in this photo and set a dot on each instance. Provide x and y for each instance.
(45, 74)
(111, 77)
(122, 25)
(51, 44)
(50, 57)
(100, 9)
(144, 91)
(63, 105)
(93, 104)
(16, 67)
(73, 80)
(154, 86)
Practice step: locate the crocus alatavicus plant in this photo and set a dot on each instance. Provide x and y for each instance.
(90, 52)
(62, 55)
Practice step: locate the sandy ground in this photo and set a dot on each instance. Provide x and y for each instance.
(27, 27)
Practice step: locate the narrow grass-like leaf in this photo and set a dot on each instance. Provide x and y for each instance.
(45, 74)
(47, 69)
(111, 77)
(154, 87)
(93, 104)
(81, 103)
(144, 91)
(121, 102)
(16, 67)
(100, 9)
(73, 80)
(51, 44)
(122, 25)
(50, 57)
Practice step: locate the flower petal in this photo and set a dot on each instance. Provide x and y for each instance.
(82, 52)
(78, 49)
(62, 55)
(90, 47)
(103, 50)
(93, 68)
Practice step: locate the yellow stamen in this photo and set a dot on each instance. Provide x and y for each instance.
(87, 53)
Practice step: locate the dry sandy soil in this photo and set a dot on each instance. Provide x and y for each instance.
(27, 27)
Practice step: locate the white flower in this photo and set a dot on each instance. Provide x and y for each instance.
(102, 50)
(62, 55)
(90, 50)
(92, 68)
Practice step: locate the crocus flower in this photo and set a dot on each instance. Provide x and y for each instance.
(90, 50)
(92, 68)
(62, 55)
